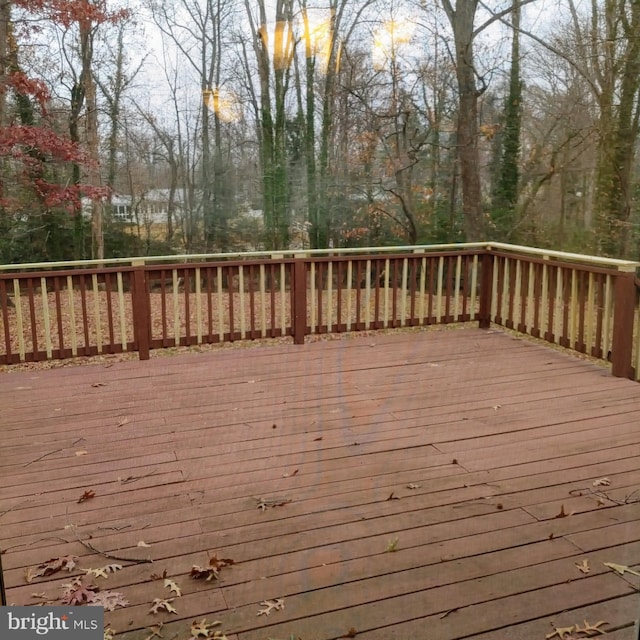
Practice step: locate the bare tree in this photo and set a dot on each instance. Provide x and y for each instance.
(471, 85)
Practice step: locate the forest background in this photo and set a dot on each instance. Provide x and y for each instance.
(137, 127)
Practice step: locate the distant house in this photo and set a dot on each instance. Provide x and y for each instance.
(121, 208)
(150, 207)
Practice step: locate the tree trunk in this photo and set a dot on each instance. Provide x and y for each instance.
(462, 20)
(506, 195)
(93, 142)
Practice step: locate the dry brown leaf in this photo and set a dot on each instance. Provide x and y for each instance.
(156, 631)
(42, 595)
(109, 634)
(82, 452)
(142, 543)
(203, 628)
(76, 592)
(413, 486)
(591, 629)
(51, 566)
(212, 572)
(601, 482)
(561, 632)
(173, 587)
(122, 422)
(99, 384)
(583, 566)
(271, 605)
(109, 600)
(392, 545)
(87, 495)
(620, 569)
(159, 604)
(103, 572)
(289, 475)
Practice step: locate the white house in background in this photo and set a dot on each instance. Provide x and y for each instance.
(150, 207)
(121, 208)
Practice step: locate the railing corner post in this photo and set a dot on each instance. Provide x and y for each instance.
(623, 311)
(141, 312)
(299, 300)
(486, 289)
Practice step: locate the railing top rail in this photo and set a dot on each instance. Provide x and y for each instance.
(620, 265)
(199, 257)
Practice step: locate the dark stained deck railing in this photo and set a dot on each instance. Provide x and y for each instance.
(582, 303)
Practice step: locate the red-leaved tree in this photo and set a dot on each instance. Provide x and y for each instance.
(37, 176)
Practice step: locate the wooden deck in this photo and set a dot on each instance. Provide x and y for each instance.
(420, 478)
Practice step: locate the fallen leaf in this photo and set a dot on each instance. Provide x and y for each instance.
(583, 566)
(392, 546)
(413, 486)
(591, 629)
(317, 439)
(99, 384)
(173, 587)
(156, 631)
(496, 407)
(289, 475)
(203, 628)
(76, 592)
(82, 452)
(620, 569)
(161, 604)
(109, 600)
(51, 566)
(601, 482)
(271, 605)
(142, 543)
(263, 503)
(212, 572)
(87, 495)
(109, 633)
(122, 422)
(42, 595)
(561, 632)
(103, 572)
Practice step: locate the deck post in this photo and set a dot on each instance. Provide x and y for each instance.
(141, 312)
(299, 284)
(486, 289)
(624, 293)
